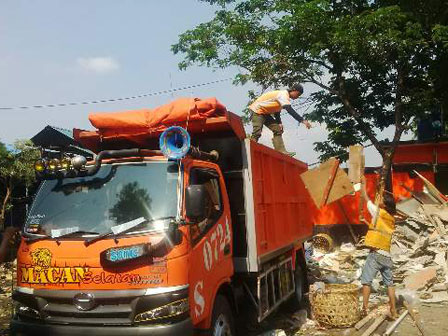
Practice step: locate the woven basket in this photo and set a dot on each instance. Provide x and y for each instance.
(323, 242)
(337, 306)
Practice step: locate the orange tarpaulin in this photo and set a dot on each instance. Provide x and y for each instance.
(159, 118)
(137, 125)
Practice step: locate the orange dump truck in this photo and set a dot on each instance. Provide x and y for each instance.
(149, 242)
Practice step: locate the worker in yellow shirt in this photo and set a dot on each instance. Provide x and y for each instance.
(266, 112)
(378, 240)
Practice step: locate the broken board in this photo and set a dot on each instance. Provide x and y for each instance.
(356, 163)
(432, 189)
(327, 183)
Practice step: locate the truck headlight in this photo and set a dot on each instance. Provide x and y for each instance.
(169, 310)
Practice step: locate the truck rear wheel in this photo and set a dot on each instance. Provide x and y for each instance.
(298, 278)
(222, 318)
(296, 300)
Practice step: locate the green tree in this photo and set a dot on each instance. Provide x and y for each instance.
(375, 61)
(132, 202)
(16, 168)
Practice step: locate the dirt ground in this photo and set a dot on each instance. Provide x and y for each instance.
(434, 319)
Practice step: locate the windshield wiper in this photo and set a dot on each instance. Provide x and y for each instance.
(59, 233)
(117, 229)
(122, 228)
(33, 239)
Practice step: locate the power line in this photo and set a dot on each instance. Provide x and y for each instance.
(102, 101)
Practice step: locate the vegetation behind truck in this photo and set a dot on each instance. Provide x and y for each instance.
(138, 242)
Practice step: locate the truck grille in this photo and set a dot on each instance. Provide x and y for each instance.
(109, 308)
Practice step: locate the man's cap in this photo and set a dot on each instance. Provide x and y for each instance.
(296, 87)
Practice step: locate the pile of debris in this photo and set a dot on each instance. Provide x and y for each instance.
(419, 252)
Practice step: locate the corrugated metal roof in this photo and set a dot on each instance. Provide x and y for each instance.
(57, 138)
(64, 131)
(54, 136)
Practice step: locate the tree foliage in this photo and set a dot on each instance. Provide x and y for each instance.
(132, 202)
(16, 168)
(377, 62)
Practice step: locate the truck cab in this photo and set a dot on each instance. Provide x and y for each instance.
(77, 265)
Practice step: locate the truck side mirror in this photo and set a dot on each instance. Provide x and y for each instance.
(195, 202)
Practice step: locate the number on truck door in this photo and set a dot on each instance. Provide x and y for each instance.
(211, 240)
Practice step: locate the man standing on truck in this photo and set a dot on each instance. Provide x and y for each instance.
(378, 239)
(266, 111)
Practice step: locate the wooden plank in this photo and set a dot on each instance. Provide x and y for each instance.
(366, 319)
(355, 163)
(341, 187)
(432, 189)
(316, 180)
(374, 325)
(362, 201)
(329, 186)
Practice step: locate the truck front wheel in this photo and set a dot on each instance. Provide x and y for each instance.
(222, 318)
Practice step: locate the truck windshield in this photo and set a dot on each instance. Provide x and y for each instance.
(117, 194)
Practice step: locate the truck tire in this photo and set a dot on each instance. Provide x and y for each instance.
(298, 278)
(296, 300)
(222, 318)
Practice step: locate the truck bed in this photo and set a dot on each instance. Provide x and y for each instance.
(276, 204)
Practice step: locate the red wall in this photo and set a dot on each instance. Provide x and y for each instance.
(436, 153)
(347, 211)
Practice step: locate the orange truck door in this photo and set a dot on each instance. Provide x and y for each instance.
(211, 255)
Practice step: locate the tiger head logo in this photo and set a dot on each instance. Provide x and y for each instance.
(41, 258)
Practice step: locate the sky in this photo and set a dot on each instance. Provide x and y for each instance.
(58, 51)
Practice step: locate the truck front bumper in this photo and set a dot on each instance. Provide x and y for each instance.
(19, 328)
